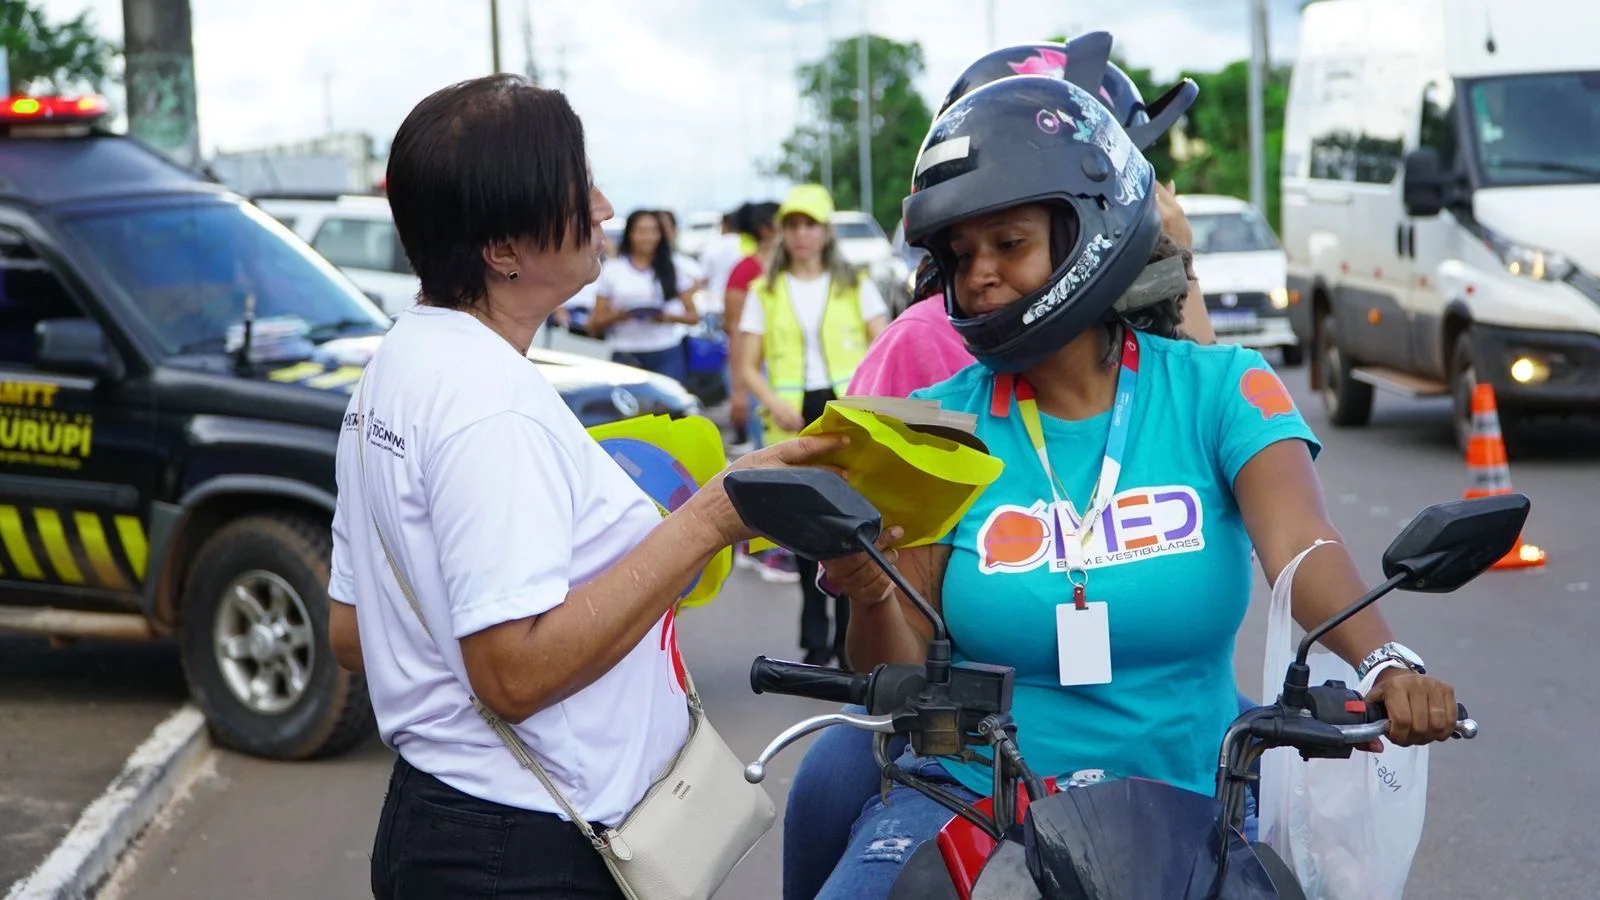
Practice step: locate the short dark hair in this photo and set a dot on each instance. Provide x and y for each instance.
(485, 160)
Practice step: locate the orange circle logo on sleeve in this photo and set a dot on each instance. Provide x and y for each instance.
(1262, 389)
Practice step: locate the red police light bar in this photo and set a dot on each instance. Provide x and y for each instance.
(51, 109)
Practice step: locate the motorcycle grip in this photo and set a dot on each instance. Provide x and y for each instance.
(775, 676)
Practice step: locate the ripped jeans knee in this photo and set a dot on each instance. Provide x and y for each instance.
(886, 835)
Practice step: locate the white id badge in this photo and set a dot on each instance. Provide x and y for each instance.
(1083, 643)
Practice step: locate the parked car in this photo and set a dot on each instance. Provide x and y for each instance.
(175, 366)
(863, 244)
(1240, 265)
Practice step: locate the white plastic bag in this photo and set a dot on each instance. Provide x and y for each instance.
(1348, 828)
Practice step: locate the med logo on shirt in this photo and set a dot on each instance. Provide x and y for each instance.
(1139, 524)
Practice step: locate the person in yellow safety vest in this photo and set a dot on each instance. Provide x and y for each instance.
(812, 318)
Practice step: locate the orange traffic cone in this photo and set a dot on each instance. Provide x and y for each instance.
(1491, 474)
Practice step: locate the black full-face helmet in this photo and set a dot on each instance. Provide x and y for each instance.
(1086, 62)
(1037, 139)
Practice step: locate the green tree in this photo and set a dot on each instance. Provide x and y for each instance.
(1220, 119)
(898, 123)
(42, 57)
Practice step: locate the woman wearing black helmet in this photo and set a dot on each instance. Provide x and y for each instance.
(1040, 214)
(921, 348)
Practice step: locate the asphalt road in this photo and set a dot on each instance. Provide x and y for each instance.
(1509, 814)
(69, 717)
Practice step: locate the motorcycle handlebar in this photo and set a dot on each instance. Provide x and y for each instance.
(1466, 727)
(1376, 711)
(773, 676)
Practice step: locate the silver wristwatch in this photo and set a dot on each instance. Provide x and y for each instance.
(1396, 651)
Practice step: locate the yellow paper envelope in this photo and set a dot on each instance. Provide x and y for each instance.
(920, 481)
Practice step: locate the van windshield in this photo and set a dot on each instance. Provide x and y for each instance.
(1538, 129)
(189, 269)
(1233, 232)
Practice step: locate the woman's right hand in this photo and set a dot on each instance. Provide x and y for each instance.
(712, 501)
(786, 417)
(858, 577)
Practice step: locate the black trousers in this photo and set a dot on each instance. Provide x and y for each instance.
(434, 841)
(814, 632)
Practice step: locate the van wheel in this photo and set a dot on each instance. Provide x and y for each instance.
(1293, 355)
(254, 642)
(1347, 401)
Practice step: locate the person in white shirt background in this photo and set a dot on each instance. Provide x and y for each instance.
(722, 253)
(546, 578)
(644, 299)
(685, 263)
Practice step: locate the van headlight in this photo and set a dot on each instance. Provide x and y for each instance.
(1529, 262)
(1280, 298)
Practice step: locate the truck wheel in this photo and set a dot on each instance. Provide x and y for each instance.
(1293, 355)
(1347, 401)
(254, 641)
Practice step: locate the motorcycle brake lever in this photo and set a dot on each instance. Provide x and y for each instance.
(757, 771)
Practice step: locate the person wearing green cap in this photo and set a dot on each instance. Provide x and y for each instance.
(809, 325)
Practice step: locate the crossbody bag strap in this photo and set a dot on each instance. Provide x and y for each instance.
(508, 737)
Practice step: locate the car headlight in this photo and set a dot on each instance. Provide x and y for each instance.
(1529, 262)
(1280, 298)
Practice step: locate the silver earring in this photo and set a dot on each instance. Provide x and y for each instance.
(512, 275)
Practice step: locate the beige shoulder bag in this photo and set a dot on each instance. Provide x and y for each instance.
(695, 823)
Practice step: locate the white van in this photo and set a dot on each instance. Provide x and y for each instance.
(1441, 203)
(1241, 268)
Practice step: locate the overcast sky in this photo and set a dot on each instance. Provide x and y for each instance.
(680, 98)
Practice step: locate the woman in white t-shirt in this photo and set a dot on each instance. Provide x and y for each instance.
(546, 578)
(803, 331)
(643, 300)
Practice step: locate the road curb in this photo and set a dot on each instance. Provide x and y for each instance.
(83, 859)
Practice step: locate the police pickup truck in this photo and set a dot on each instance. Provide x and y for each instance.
(174, 366)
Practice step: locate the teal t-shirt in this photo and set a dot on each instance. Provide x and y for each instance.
(1171, 559)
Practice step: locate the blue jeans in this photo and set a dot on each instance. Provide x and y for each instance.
(884, 836)
(672, 362)
(835, 789)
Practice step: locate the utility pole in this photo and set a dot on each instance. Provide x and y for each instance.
(1258, 168)
(494, 34)
(527, 43)
(159, 74)
(827, 99)
(864, 111)
(327, 102)
(991, 43)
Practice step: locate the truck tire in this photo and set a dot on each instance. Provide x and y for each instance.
(254, 641)
(1294, 355)
(1348, 402)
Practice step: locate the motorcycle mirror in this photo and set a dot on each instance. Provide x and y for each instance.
(1444, 547)
(811, 512)
(1449, 544)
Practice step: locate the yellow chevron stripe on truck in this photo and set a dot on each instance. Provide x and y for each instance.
(318, 376)
(83, 554)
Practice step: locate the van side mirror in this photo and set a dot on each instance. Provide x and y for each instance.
(74, 347)
(1424, 184)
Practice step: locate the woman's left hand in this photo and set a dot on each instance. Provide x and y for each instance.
(1421, 708)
